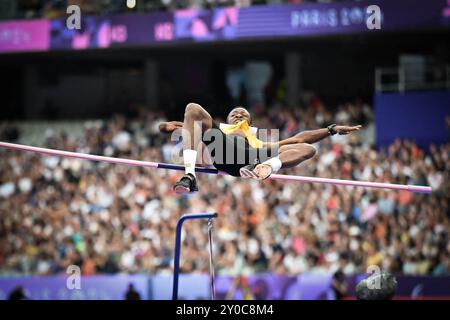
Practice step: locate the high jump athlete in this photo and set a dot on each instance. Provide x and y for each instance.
(235, 149)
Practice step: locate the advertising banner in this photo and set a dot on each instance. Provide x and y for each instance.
(339, 18)
(308, 286)
(103, 287)
(224, 24)
(113, 31)
(31, 35)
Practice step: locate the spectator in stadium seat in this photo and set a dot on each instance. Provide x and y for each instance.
(131, 293)
(57, 212)
(339, 285)
(17, 293)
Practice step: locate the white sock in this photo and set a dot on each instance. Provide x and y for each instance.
(275, 163)
(190, 158)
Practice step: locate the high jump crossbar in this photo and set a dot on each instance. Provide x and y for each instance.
(139, 163)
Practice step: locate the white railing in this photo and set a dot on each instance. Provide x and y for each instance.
(402, 79)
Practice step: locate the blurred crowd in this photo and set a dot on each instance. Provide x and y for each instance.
(56, 212)
(57, 8)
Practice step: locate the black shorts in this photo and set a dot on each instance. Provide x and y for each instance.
(229, 153)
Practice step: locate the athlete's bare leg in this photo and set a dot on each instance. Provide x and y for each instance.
(196, 121)
(290, 156)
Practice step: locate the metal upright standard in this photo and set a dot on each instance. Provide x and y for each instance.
(176, 269)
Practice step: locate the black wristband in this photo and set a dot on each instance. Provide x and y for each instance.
(331, 129)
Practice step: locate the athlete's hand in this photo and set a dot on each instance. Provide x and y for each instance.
(169, 127)
(343, 130)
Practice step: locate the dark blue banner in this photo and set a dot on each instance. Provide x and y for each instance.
(420, 116)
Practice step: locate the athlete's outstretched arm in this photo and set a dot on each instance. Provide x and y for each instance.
(313, 136)
(170, 126)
